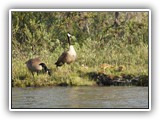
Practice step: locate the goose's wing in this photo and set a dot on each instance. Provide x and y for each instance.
(61, 59)
(33, 63)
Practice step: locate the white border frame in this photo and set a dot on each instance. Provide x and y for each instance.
(70, 109)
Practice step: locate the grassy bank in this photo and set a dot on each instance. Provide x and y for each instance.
(110, 62)
(108, 52)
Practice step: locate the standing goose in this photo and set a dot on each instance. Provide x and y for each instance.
(67, 56)
(35, 65)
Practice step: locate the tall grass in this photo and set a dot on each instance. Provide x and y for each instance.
(90, 57)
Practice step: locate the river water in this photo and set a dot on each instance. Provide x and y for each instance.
(80, 97)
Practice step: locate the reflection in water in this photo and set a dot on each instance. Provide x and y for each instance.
(80, 97)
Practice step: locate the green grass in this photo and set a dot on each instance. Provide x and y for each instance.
(90, 58)
(104, 52)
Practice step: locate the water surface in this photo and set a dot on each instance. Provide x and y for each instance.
(80, 97)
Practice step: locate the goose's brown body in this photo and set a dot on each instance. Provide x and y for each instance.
(67, 56)
(36, 65)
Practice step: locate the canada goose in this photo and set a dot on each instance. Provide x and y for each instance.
(67, 56)
(35, 65)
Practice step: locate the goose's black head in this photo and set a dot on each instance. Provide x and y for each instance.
(45, 68)
(69, 37)
(49, 72)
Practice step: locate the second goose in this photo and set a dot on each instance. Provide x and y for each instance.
(68, 56)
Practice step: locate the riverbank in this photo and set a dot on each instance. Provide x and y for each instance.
(108, 53)
(96, 80)
(75, 75)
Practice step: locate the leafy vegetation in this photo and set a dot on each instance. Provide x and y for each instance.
(112, 44)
